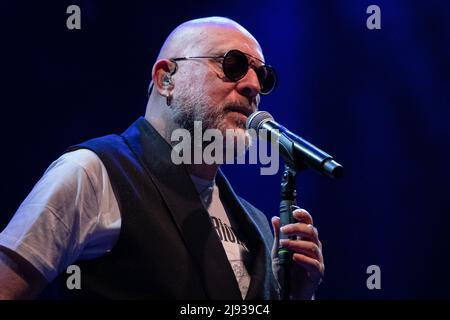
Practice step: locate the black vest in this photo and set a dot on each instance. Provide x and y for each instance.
(167, 247)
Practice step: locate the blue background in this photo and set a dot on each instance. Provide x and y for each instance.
(377, 100)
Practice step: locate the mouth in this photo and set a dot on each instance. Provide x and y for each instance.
(240, 109)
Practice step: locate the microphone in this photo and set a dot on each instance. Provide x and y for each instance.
(296, 151)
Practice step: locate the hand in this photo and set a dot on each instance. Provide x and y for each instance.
(308, 267)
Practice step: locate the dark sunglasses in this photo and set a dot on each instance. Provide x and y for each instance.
(235, 66)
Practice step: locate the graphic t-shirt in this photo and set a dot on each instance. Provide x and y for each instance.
(236, 250)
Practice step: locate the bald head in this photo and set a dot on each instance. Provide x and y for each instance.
(194, 37)
(205, 36)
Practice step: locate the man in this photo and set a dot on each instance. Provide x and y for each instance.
(139, 226)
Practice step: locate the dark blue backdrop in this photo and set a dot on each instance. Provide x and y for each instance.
(378, 100)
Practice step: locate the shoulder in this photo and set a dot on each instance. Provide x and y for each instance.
(79, 164)
(101, 146)
(83, 158)
(51, 226)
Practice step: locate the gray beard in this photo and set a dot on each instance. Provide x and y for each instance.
(184, 117)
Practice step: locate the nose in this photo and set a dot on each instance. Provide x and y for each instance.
(249, 86)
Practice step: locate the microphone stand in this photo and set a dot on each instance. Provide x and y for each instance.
(288, 204)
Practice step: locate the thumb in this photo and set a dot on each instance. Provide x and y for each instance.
(276, 226)
(276, 231)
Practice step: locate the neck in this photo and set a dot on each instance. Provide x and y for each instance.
(158, 116)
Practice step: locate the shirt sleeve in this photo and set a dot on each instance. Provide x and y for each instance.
(52, 225)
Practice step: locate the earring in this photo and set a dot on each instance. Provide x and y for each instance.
(168, 99)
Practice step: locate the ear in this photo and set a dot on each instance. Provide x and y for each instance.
(162, 76)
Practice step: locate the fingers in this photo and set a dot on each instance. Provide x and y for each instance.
(306, 248)
(314, 267)
(305, 231)
(302, 215)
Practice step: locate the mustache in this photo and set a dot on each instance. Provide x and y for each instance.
(245, 109)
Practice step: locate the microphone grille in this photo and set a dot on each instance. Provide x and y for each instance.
(256, 119)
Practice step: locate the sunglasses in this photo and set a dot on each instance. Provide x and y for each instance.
(235, 65)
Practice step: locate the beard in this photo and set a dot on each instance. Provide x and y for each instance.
(192, 108)
(193, 105)
(196, 106)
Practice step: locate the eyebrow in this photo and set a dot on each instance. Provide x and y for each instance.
(222, 52)
(217, 52)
